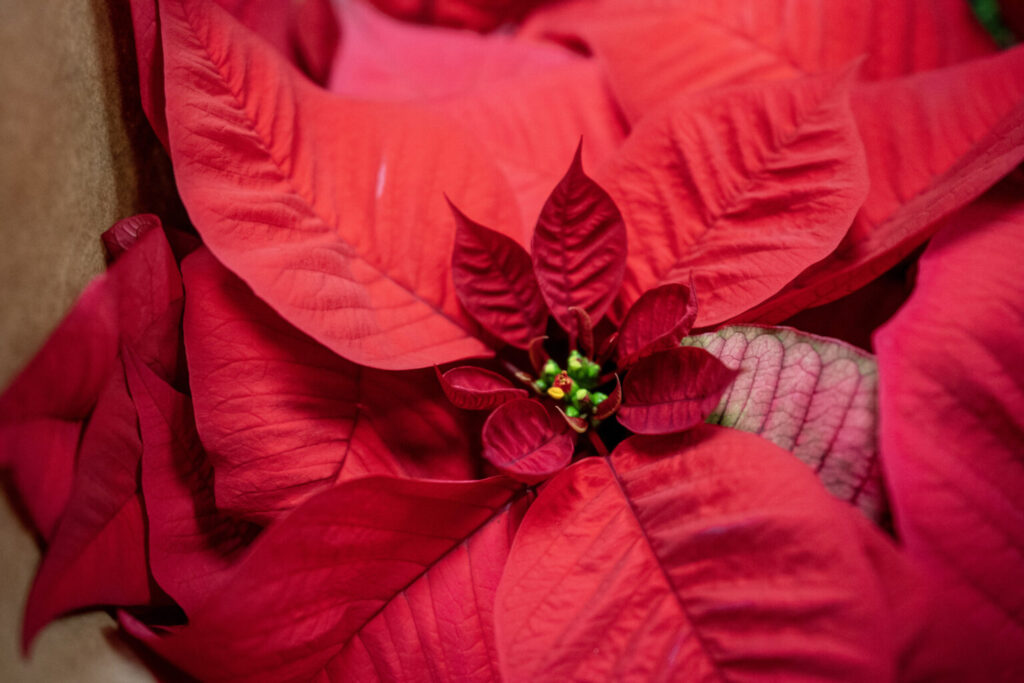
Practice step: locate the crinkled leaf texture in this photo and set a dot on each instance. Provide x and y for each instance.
(100, 530)
(658, 320)
(579, 247)
(712, 555)
(192, 545)
(935, 141)
(375, 579)
(494, 280)
(521, 439)
(952, 428)
(305, 30)
(741, 189)
(472, 388)
(652, 50)
(282, 417)
(332, 210)
(672, 390)
(812, 396)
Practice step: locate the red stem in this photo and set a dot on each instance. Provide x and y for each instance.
(596, 442)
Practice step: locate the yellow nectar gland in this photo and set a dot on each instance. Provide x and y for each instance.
(556, 393)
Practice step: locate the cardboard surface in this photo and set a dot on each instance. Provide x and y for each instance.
(77, 156)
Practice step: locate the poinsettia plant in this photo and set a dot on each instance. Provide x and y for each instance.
(270, 443)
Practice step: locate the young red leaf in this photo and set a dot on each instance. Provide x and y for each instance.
(579, 247)
(192, 546)
(740, 190)
(377, 577)
(672, 390)
(952, 435)
(656, 322)
(653, 51)
(282, 417)
(473, 388)
(521, 441)
(711, 555)
(966, 121)
(327, 226)
(813, 396)
(494, 280)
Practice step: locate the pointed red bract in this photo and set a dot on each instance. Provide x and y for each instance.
(653, 50)
(521, 440)
(934, 142)
(579, 247)
(333, 211)
(494, 280)
(282, 417)
(192, 546)
(102, 531)
(952, 435)
(319, 593)
(812, 396)
(740, 189)
(708, 556)
(672, 390)
(656, 322)
(473, 388)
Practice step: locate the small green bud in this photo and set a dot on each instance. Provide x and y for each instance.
(597, 397)
(593, 370)
(540, 385)
(571, 411)
(550, 370)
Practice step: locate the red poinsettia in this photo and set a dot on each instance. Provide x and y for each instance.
(574, 270)
(308, 505)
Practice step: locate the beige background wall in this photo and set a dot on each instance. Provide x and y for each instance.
(75, 156)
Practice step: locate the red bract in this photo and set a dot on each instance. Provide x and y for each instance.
(91, 513)
(667, 574)
(955, 466)
(282, 417)
(741, 189)
(290, 507)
